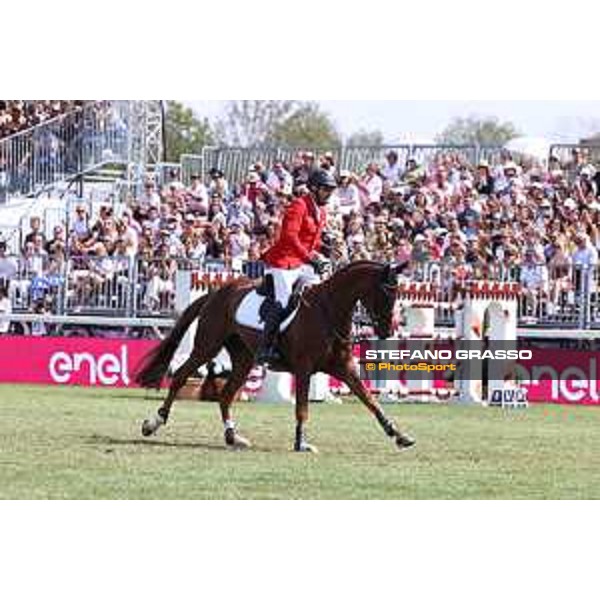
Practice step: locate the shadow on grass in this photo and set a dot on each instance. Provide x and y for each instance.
(110, 441)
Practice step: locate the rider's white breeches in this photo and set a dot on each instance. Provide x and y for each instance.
(284, 280)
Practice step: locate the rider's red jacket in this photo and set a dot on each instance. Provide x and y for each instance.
(300, 235)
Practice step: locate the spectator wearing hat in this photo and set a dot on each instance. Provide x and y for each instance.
(254, 189)
(327, 163)
(218, 184)
(484, 182)
(420, 252)
(585, 185)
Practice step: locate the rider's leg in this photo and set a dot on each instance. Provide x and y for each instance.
(273, 311)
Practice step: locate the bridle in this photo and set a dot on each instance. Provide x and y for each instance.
(377, 321)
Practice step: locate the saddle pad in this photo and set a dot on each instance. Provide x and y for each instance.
(247, 313)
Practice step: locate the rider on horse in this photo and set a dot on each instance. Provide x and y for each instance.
(295, 254)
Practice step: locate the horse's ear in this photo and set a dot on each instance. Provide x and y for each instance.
(387, 272)
(388, 276)
(399, 267)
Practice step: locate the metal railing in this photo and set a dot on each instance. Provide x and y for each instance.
(99, 285)
(564, 296)
(98, 133)
(235, 162)
(563, 152)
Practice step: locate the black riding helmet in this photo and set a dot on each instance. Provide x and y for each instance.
(321, 178)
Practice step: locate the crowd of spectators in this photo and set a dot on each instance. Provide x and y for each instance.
(535, 223)
(17, 115)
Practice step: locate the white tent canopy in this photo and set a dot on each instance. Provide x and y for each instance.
(532, 147)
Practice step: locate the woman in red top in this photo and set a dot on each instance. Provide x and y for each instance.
(295, 251)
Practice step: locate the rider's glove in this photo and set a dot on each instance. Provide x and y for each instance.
(319, 264)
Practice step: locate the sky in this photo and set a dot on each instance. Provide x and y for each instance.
(410, 120)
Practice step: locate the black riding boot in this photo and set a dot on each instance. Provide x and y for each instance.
(271, 313)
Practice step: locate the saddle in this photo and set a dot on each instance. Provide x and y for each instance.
(251, 311)
(266, 289)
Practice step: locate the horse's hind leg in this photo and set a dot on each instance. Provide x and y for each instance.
(242, 361)
(187, 369)
(350, 377)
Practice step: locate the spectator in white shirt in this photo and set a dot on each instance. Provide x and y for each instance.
(239, 243)
(371, 186)
(173, 181)
(8, 265)
(218, 184)
(585, 260)
(534, 279)
(279, 178)
(346, 198)
(80, 228)
(585, 255)
(327, 163)
(198, 193)
(5, 310)
(391, 172)
(148, 199)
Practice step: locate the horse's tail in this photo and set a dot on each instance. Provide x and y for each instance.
(155, 364)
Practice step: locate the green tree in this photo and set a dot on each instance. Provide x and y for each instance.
(184, 132)
(488, 131)
(307, 126)
(362, 137)
(251, 123)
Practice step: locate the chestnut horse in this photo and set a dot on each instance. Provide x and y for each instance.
(317, 340)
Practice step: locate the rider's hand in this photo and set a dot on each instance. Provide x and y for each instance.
(318, 263)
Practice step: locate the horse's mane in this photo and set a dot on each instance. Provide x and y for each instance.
(360, 263)
(354, 266)
(328, 284)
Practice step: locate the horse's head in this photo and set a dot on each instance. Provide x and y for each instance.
(381, 299)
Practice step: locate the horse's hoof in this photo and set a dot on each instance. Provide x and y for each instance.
(405, 441)
(305, 447)
(237, 442)
(147, 429)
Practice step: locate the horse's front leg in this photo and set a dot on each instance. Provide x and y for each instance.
(349, 376)
(302, 387)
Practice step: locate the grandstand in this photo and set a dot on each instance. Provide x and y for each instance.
(95, 226)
